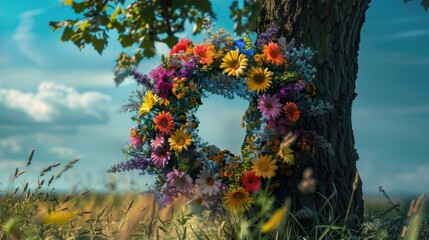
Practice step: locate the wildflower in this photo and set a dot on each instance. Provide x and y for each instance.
(160, 157)
(180, 180)
(164, 122)
(208, 183)
(270, 106)
(135, 138)
(238, 199)
(58, 218)
(265, 166)
(180, 140)
(157, 141)
(163, 88)
(273, 53)
(250, 181)
(205, 52)
(292, 111)
(148, 102)
(286, 154)
(234, 63)
(259, 79)
(182, 46)
(275, 220)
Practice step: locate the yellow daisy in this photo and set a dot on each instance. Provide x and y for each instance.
(286, 154)
(148, 102)
(265, 166)
(238, 199)
(259, 79)
(234, 63)
(180, 140)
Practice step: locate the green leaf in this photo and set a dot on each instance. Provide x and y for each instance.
(79, 7)
(170, 41)
(115, 13)
(67, 34)
(99, 44)
(126, 40)
(84, 25)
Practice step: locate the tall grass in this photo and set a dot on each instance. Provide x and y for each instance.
(40, 213)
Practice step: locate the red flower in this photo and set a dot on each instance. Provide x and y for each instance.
(164, 122)
(250, 181)
(292, 111)
(273, 53)
(182, 45)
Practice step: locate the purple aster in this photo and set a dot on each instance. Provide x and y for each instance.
(180, 180)
(270, 106)
(160, 157)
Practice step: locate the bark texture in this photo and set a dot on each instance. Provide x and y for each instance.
(332, 29)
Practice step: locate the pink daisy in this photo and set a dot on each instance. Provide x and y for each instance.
(180, 180)
(160, 157)
(270, 106)
(157, 141)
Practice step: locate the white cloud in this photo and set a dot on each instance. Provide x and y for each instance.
(408, 34)
(10, 164)
(56, 103)
(64, 152)
(10, 144)
(24, 36)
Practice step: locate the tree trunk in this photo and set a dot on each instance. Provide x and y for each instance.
(332, 29)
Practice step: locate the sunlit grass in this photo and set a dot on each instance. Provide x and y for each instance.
(40, 213)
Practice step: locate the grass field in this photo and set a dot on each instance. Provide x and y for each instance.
(40, 213)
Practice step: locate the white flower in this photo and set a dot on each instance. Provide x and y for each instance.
(208, 183)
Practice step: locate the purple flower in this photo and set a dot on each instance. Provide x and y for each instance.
(188, 68)
(137, 163)
(291, 90)
(278, 125)
(267, 36)
(141, 78)
(160, 157)
(163, 88)
(180, 180)
(160, 73)
(270, 106)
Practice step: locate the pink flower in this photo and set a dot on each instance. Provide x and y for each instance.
(270, 106)
(163, 88)
(157, 141)
(180, 180)
(160, 157)
(135, 138)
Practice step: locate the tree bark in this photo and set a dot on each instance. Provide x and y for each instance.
(332, 29)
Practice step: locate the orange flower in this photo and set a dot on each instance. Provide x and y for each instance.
(182, 45)
(164, 122)
(273, 53)
(205, 52)
(292, 111)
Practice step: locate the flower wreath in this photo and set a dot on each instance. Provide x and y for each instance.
(274, 76)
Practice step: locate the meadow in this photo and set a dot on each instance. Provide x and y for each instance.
(41, 213)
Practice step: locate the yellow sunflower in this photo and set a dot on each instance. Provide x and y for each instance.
(238, 199)
(180, 140)
(286, 154)
(148, 102)
(265, 166)
(259, 79)
(234, 63)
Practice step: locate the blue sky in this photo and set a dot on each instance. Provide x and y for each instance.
(64, 103)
